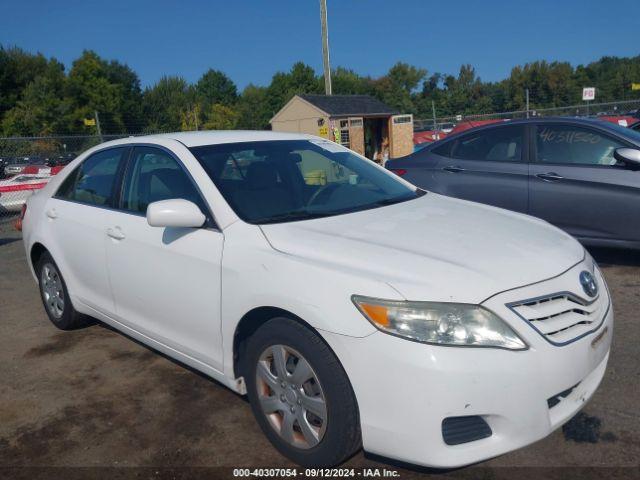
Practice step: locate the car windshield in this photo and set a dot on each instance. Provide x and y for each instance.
(629, 132)
(282, 181)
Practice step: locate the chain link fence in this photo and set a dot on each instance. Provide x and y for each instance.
(620, 108)
(28, 163)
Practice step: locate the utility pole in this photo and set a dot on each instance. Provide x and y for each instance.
(325, 47)
(433, 109)
(98, 125)
(527, 93)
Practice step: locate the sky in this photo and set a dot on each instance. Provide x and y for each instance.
(250, 40)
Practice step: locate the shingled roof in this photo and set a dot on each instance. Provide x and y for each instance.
(352, 105)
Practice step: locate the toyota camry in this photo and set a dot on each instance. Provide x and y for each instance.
(354, 309)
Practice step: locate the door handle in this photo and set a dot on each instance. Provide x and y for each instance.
(453, 169)
(115, 233)
(52, 214)
(550, 177)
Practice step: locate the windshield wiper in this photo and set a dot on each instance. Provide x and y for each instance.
(390, 201)
(307, 215)
(292, 216)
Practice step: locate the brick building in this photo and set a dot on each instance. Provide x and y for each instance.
(360, 122)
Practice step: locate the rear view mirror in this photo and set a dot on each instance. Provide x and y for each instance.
(629, 156)
(175, 213)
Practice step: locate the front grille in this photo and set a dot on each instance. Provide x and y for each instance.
(562, 318)
(457, 430)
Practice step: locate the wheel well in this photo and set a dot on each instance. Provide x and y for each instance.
(36, 252)
(249, 323)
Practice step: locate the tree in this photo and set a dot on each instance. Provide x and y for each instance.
(396, 88)
(466, 93)
(348, 82)
(91, 90)
(43, 109)
(253, 108)
(17, 70)
(166, 103)
(215, 87)
(190, 117)
(111, 89)
(37, 97)
(300, 79)
(221, 117)
(130, 111)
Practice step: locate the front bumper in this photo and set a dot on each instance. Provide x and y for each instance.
(406, 389)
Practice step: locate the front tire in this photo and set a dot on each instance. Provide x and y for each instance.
(55, 296)
(300, 395)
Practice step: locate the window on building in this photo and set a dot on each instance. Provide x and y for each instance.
(402, 119)
(344, 133)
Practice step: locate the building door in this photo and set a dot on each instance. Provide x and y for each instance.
(356, 135)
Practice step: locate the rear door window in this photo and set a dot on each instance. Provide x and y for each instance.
(443, 150)
(93, 182)
(495, 145)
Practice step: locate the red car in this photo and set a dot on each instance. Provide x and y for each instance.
(429, 136)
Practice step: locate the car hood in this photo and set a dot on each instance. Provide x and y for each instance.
(434, 247)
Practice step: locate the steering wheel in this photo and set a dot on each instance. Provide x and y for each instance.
(323, 190)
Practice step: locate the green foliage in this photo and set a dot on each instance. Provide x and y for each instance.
(112, 89)
(215, 87)
(37, 96)
(397, 86)
(348, 82)
(130, 101)
(42, 109)
(253, 109)
(17, 70)
(221, 117)
(167, 103)
(301, 79)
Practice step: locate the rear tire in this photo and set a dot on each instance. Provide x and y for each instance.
(300, 394)
(55, 296)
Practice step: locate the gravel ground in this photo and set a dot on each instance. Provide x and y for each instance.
(95, 398)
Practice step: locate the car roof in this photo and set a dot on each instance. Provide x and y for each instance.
(200, 138)
(593, 122)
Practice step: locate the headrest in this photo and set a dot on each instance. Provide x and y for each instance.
(294, 157)
(262, 175)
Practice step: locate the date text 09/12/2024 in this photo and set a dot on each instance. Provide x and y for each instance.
(316, 472)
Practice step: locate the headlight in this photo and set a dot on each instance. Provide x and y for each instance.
(458, 324)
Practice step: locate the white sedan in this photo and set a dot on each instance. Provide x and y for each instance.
(353, 309)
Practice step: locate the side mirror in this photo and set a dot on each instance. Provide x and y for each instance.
(175, 213)
(630, 156)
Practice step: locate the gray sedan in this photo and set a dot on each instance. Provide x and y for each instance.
(580, 175)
